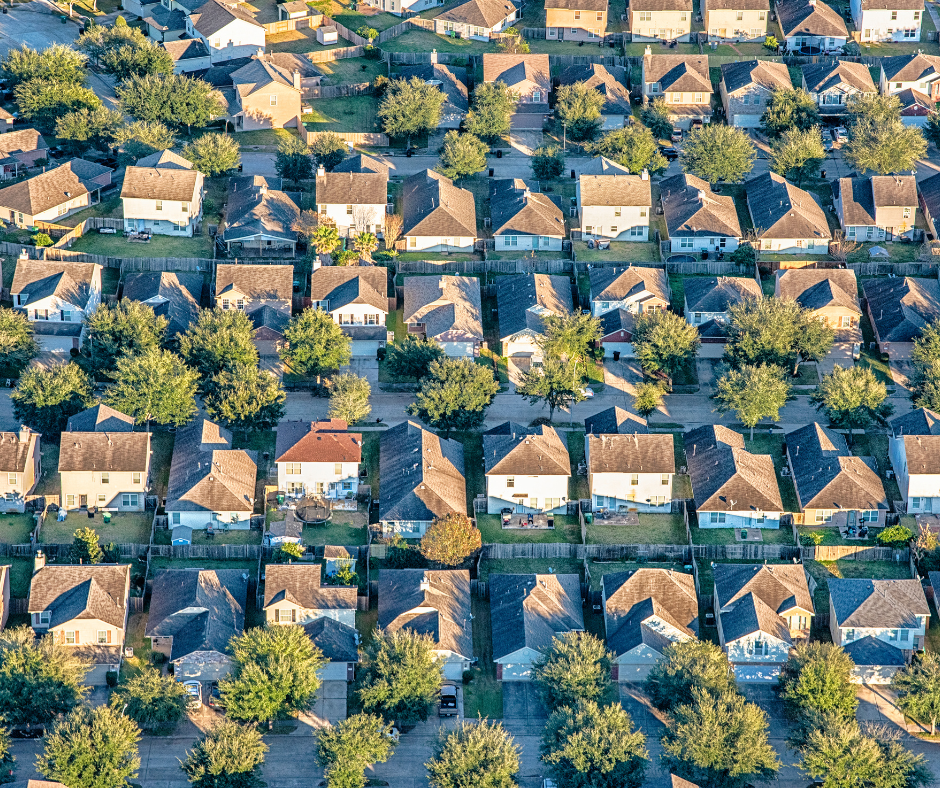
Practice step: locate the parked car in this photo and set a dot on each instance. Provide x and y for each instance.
(194, 690)
(215, 696)
(840, 135)
(588, 392)
(676, 135)
(448, 706)
(669, 152)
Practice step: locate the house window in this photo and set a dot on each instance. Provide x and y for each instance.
(894, 634)
(698, 98)
(66, 316)
(511, 240)
(349, 210)
(552, 503)
(917, 16)
(739, 16)
(849, 635)
(347, 486)
(136, 478)
(634, 479)
(101, 499)
(159, 205)
(907, 213)
(292, 468)
(616, 211)
(413, 242)
(664, 478)
(600, 16)
(11, 478)
(870, 516)
(129, 499)
(372, 320)
(70, 500)
(286, 616)
(273, 101)
(184, 207)
(337, 469)
(103, 636)
(600, 501)
(845, 321)
(823, 515)
(70, 638)
(685, 243)
(676, 98)
(45, 617)
(683, 17)
(176, 518)
(646, 16)
(762, 16)
(105, 477)
(510, 481)
(905, 634)
(894, 15)
(716, 517)
(614, 230)
(577, 14)
(537, 94)
(915, 503)
(636, 231)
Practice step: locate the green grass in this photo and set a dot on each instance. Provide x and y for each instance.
(567, 529)
(159, 563)
(578, 488)
(124, 528)
(350, 71)
(159, 246)
(161, 444)
(370, 458)
(822, 571)
(16, 528)
(346, 528)
(353, 20)
(483, 696)
(517, 566)
(425, 41)
(726, 535)
(48, 483)
(134, 637)
(653, 529)
(900, 253)
(736, 191)
(619, 250)
(353, 114)
(21, 574)
(367, 621)
(773, 445)
(239, 537)
(807, 375)
(871, 357)
(110, 279)
(271, 137)
(832, 537)
(473, 464)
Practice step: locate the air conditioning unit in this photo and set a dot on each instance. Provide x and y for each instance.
(487, 222)
(684, 469)
(390, 208)
(623, 17)
(785, 470)
(573, 211)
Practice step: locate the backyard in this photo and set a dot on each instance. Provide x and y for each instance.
(653, 529)
(567, 529)
(300, 42)
(425, 41)
(124, 528)
(352, 71)
(16, 528)
(619, 251)
(159, 246)
(353, 114)
(346, 528)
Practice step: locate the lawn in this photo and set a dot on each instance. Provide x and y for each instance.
(352, 71)
(900, 253)
(773, 445)
(161, 444)
(353, 114)
(567, 529)
(473, 464)
(871, 357)
(483, 696)
(524, 566)
(822, 571)
(300, 42)
(16, 528)
(136, 628)
(48, 483)
(21, 574)
(578, 488)
(159, 246)
(159, 563)
(346, 528)
(124, 528)
(269, 137)
(249, 536)
(653, 529)
(619, 250)
(425, 41)
(726, 535)
(112, 208)
(370, 458)
(832, 537)
(353, 20)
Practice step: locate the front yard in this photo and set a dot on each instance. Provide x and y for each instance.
(124, 528)
(160, 246)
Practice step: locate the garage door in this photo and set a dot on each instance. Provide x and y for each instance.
(756, 674)
(365, 348)
(521, 671)
(453, 671)
(333, 671)
(636, 672)
(747, 121)
(624, 348)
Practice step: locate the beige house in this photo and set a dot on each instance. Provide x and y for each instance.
(575, 20)
(20, 466)
(438, 216)
(790, 220)
(107, 470)
(293, 595)
(832, 295)
(660, 20)
(55, 193)
(738, 20)
(267, 96)
(746, 88)
(683, 82)
(529, 77)
(165, 198)
(355, 201)
(877, 208)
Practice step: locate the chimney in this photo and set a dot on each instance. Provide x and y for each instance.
(39, 561)
(259, 53)
(321, 171)
(526, 194)
(701, 195)
(649, 51)
(433, 56)
(296, 76)
(25, 432)
(425, 583)
(645, 175)
(263, 189)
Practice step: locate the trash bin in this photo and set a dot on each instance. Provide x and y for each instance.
(588, 518)
(280, 499)
(107, 517)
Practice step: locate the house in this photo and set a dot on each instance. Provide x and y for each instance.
(166, 200)
(747, 86)
(888, 20)
(811, 26)
(84, 608)
(522, 301)
(20, 459)
(100, 418)
(452, 81)
(527, 469)
(832, 84)
(20, 150)
(194, 613)
(259, 218)
(293, 594)
(913, 445)
(110, 471)
(916, 107)
(630, 472)
(267, 96)
(916, 71)
(227, 31)
(614, 206)
(710, 297)
(928, 193)
(600, 165)
(615, 421)
(611, 82)
(54, 194)
(528, 613)
(56, 297)
(832, 486)
(738, 20)
(447, 309)
(697, 219)
(211, 485)
(355, 201)
(575, 20)
(656, 20)
(431, 602)
(617, 326)
(645, 610)
(899, 309)
(355, 297)
(421, 478)
(339, 643)
(876, 208)
(165, 23)
(318, 458)
(438, 216)
(264, 293)
(476, 19)
(682, 81)
(791, 221)
(732, 487)
(760, 610)
(523, 219)
(528, 76)
(362, 162)
(173, 295)
(189, 55)
(831, 294)
(636, 289)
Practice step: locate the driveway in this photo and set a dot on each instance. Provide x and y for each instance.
(367, 368)
(258, 164)
(623, 375)
(522, 706)
(525, 142)
(30, 24)
(330, 706)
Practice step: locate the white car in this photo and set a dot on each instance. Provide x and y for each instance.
(840, 135)
(194, 690)
(588, 392)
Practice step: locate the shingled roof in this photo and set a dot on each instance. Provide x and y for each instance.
(810, 18)
(48, 190)
(105, 451)
(877, 604)
(922, 453)
(100, 418)
(870, 651)
(86, 592)
(718, 293)
(161, 183)
(523, 212)
(764, 73)
(35, 280)
(637, 453)
(258, 210)
(861, 197)
(819, 288)
(319, 441)
(914, 67)
(362, 162)
(480, 13)
(352, 188)
(614, 190)
(615, 421)
(523, 299)
(618, 284)
(610, 81)
(820, 77)
(901, 309)
(337, 641)
(448, 306)
(516, 69)
(341, 286)
(257, 282)
(754, 597)
(299, 584)
(434, 207)
(692, 209)
(175, 296)
(525, 451)
(675, 73)
(211, 17)
(15, 450)
(781, 210)
(529, 611)
(22, 141)
(920, 421)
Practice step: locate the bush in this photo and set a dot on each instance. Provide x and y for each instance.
(373, 53)
(896, 536)
(111, 678)
(42, 239)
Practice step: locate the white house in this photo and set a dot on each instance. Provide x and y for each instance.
(293, 594)
(522, 301)
(697, 219)
(914, 450)
(108, 470)
(892, 611)
(615, 206)
(791, 221)
(710, 297)
(833, 85)
(447, 309)
(523, 219)
(877, 208)
(318, 458)
(228, 32)
(438, 216)
(476, 19)
(355, 201)
(895, 20)
(527, 469)
(811, 25)
(20, 459)
(188, 55)
(165, 198)
(636, 289)
(630, 472)
(355, 297)
(916, 71)
(683, 82)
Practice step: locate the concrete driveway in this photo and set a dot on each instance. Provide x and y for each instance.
(330, 706)
(367, 368)
(525, 142)
(623, 375)
(258, 164)
(29, 24)
(522, 705)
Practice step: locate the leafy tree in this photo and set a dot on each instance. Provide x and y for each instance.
(345, 257)
(884, 147)
(718, 153)
(137, 61)
(752, 393)
(462, 155)
(347, 749)
(872, 107)
(45, 399)
(410, 107)
(655, 117)
(816, 680)
(578, 107)
(328, 150)
(366, 243)
(918, 689)
(576, 668)
(474, 754)
(591, 746)
(896, 536)
(56, 63)
(450, 540)
(412, 357)
(932, 129)
(293, 161)
(229, 755)
(154, 386)
(684, 666)
(633, 147)
(797, 155)
(455, 395)
(325, 239)
(493, 105)
(17, 345)
(349, 398)
(745, 254)
(220, 341)
(143, 137)
(569, 337)
(115, 330)
(647, 398)
(7, 759)
(401, 676)
(245, 398)
(289, 551)
(213, 154)
(314, 345)
(852, 398)
(176, 99)
(274, 674)
(548, 162)
(43, 102)
(91, 748)
(150, 698)
(41, 239)
(789, 108)
(664, 343)
(368, 33)
(97, 41)
(554, 383)
(85, 548)
(925, 358)
(88, 127)
(513, 43)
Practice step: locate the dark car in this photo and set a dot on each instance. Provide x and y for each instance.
(669, 152)
(215, 696)
(448, 701)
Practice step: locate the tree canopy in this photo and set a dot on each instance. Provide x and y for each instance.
(925, 357)
(328, 149)
(450, 540)
(718, 153)
(663, 342)
(85, 547)
(918, 689)
(555, 383)
(143, 137)
(150, 698)
(493, 105)
(221, 340)
(45, 399)
(797, 155)
(816, 680)
(175, 99)
(346, 749)
(401, 676)
(633, 147)
(84, 128)
(18, 346)
(137, 60)
(314, 345)
(455, 395)
(112, 331)
(752, 393)
(576, 668)
(683, 666)
(412, 357)
(213, 154)
(570, 336)
(578, 107)
(884, 146)
(789, 108)
(43, 102)
(548, 162)
(852, 398)
(475, 753)
(462, 155)
(410, 107)
(245, 398)
(56, 63)
(228, 755)
(655, 116)
(349, 398)
(154, 386)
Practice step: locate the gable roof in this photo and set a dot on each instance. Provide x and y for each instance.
(339, 642)
(87, 592)
(15, 453)
(49, 189)
(577, 5)
(749, 616)
(433, 206)
(781, 210)
(764, 73)
(678, 782)
(600, 165)
(920, 421)
(166, 159)
(362, 162)
(300, 585)
(922, 453)
(523, 212)
(661, 5)
(105, 451)
(318, 441)
(176, 296)
(815, 289)
(877, 604)
(902, 308)
(616, 190)
(257, 282)
(610, 81)
(782, 587)
(100, 418)
(615, 421)
(452, 83)
(481, 13)
(186, 49)
(635, 453)
(821, 77)
(211, 17)
(892, 5)
(22, 141)
(161, 183)
(810, 17)
(870, 650)
(531, 451)
(259, 73)
(352, 188)
(861, 197)
(344, 285)
(35, 280)
(522, 299)
(515, 69)
(675, 73)
(691, 208)
(449, 306)
(718, 293)
(915, 67)
(258, 210)
(617, 284)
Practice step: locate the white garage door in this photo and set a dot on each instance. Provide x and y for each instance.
(457, 349)
(365, 348)
(453, 671)
(756, 674)
(747, 121)
(624, 348)
(333, 671)
(521, 671)
(635, 672)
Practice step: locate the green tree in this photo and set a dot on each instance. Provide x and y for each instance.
(91, 748)
(366, 243)
(455, 395)
(578, 107)
(591, 746)
(17, 345)
(816, 680)
(43, 102)
(288, 552)
(478, 753)
(896, 536)
(462, 155)
(450, 540)
(412, 357)
(554, 383)
(918, 689)
(493, 105)
(576, 668)
(325, 239)
(647, 398)
(683, 666)
(56, 63)
(137, 61)
(789, 108)
(7, 759)
(401, 676)
(221, 340)
(872, 107)
(85, 548)
(176, 99)
(85, 128)
(548, 162)
(633, 147)
(932, 129)
(45, 399)
(97, 41)
(664, 343)
(852, 398)
(655, 117)
(368, 33)
(347, 749)
(884, 147)
(745, 254)
(513, 43)
(328, 150)
(349, 398)
(797, 155)
(143, 137)
(925, 358)
(113, 331)
(314, 345)
(293, 162)
(752, 393)
(229, 755)
(213, 154)
(245, 398)
(718, 153)
(155, 386)
(150, 698)
(570, 337)
(410, 107)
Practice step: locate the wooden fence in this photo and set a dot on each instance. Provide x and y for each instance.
(898, 269)
(484, 266)
(286, 25)
(366, 138)
(338, 91)
(94, 223)
(345, 32)
(404, 27)
(340, 53)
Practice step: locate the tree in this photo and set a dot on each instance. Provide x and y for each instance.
(314, 345)
(493, 105)
(245, 398)
(718, 153)
(97, 41)
(349, 398)
(664, 343)
(154, 386)
(229, 755)
(137, 61)
(221, 340)
(56, 63)
(401, 555)
(412, 357)
(85, 548)
(394, 223)
(328, 150)
(872, 107)
(401, 676)
(474, 754)
(450, 540)
(91, 748)
(462, 155)
(409, 107)
(932, 129)
(797, 155)
(115, 330)
(918, 689)
(325, 239)
(17, 345)
(816, 680)
(41, 239)
(84, 128)
(884, 147)
(368, 33)
(842, 247)
(852, 398)
(213, 154)
(293, 161)
(578, 106)
(555, 383)
(45, 399)
(683, 666)
(570, 336)
(752, 393)
(142, 137)
(347, 749)
(548, 162)
(150, 698)
(43, 102)
(719, 740)
(274, 674)
(289, 552)
(655, 117)
(455, 395)
(647, 398)
(591, 746)
(7, 759)
(633, 147)
(789, 108)
(366, 243)
(576, 668)
(176, 99)
(513, 43)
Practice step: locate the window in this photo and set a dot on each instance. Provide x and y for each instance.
(537, 94)
(159, 205)
(849, 635)
(510, 240)
(286, 616)
(600, 16)
(184, 207)
(636, 231)
(685, 243)
(413, 242)
(646, 16)
(372, 320)
(907, 213)
(318, 488)
(897, 84)
(676, 98)
(870, 516)
(614, 230)
(70, 500)
(273, 101)
(129, 500)
(577, 14)
(600, 501)
(894, 15)
(665, 478)
(292, 468)
(845, 321)
(716, 517)
(589, 229)
(683, 17)
(104, 636)
(176, 518)
(762, 16)
(915, 503)
(71, 638)
(893, 634)
(658, 500)
(510, 481)
(905, 634)
(756, 648)
(634, 479)
(101, 499)
(105, 477)
(917, 16)
(338, 468)
(45, 617)
(11, 478)
(739, 16)
(616, 211)
(349, 210)
(225, 303)
(823, 515)
(347, 485)
(66, 316)
(698, 98)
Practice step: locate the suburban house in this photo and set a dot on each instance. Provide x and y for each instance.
(636, 289)
(228, 32)
(522, 300)
(110, 471)
(194, 613)
(876, 208)
(698, 221)
(165, 199)
(211, 485)
(528, 613)
(20, 150)
(452, 81)
(832, 84)
(294, 594)
(355, 297)
(527, 469)
(100, 418)
(267, 96)
(56, 297)
(189, 55)
(914, 450)
(928, 192)
(55, 193)
(259, 218)
(832, 485)
(446, 309)
(811, 26)
(523, 219)
(747, 86)
(362, 162)
(888, 20)
(615, 421)
(916, 71)
(732, 487)
(832, 295)
(601, 165)
(318, 458)
(645, 610)
(575, 20)
(610, 81)
(264, 293)
(760, 610)
(740, 20)
(20, 462)
(528, 76)
(166, 22)
(421, 478)
(630, 472)
(477, 19)
(175, 296)
(339, 643)
(710, 297)
(655, 20)
(899, 309)
(355, 201)
(615, 206)
(431, 602)
(874, 661)
(791, 221)
(83, 607)
(682, 81)
(916, 107)
(438, 216)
